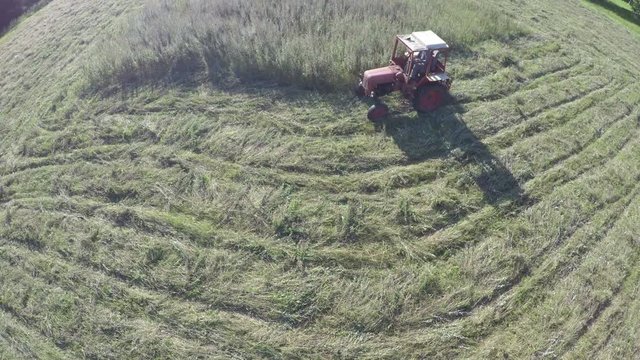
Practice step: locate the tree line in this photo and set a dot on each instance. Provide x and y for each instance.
(12, 9)
(635, 6)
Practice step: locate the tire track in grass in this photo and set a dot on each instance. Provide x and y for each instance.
(596, 307)
(552, 163)
(611, 323)
(532, 299)
(539, 123)
(575, 117)
(469, 64)
(597, 313)
(487, 323)
(513, 88)
(605, 45)
(450, 316)
(16, 333)
(614, 319)
(394, 164)
(320, 173)
(489, 140)
(500, 118)
(313, 175)
(320, 258)
(263, 249)
(363, 162)
(42, 280)
(533, 118)
(558, 173)
(548, 272)
(630, 276)
(157, 301)
(513, 210)
(530, 271)
(569, 99)
(122, 276)
(381, 170)
(574, 68)
(92, 154)
(577, 146)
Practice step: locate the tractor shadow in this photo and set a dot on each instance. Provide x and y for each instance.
(444, 134)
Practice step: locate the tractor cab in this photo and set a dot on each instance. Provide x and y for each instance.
(420, 54)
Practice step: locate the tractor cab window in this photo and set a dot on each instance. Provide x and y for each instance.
(438, 61)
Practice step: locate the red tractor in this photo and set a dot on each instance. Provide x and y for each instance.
(418, 70)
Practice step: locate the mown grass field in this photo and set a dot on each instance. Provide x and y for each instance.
(194, 211)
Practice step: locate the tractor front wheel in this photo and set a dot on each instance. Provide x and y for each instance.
(429, 98)
(377, 112)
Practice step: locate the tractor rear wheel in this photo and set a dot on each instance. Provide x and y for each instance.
(429, 98)
(377, 112)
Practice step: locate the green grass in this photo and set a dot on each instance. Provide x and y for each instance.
(208, 218)
(321, 45)
(619, 11)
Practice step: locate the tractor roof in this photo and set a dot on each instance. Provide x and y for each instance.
(423, 40)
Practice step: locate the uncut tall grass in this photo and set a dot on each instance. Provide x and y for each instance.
(320, 44)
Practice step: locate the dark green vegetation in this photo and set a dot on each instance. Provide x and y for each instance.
(627, 13)
(259, 221)
(10, 10)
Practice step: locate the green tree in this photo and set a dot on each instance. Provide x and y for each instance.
(635, 5)
(12, 9)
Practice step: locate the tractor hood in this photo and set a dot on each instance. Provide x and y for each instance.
(374, 77)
